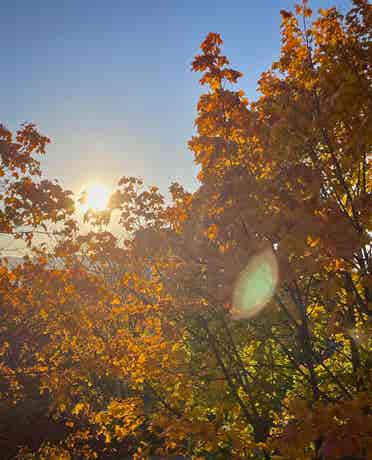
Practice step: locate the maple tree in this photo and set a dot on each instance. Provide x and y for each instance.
(232, 322)
(28, 202)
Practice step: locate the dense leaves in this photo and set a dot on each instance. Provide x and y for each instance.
(228, 323)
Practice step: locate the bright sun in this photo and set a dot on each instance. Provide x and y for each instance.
(96, 197)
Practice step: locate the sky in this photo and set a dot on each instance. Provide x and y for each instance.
(110, 82)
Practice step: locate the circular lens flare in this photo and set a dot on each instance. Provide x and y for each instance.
(256, 285)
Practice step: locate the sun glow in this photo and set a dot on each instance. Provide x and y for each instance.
(95, 196)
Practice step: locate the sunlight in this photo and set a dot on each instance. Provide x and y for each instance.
(95, 196)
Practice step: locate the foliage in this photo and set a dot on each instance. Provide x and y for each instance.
(141, 349)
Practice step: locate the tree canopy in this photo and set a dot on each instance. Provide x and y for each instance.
(234, 321)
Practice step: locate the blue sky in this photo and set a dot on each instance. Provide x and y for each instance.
(110, 82)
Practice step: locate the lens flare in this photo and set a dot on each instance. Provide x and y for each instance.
(256, 285)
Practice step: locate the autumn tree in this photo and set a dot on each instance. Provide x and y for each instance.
(285, 172)
(233, 322)
(30, 204)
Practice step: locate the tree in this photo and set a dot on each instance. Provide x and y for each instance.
(233, 322)
(29, 205)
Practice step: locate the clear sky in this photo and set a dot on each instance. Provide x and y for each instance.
(110, 82)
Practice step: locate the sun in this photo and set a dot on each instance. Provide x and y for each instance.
(95, 196)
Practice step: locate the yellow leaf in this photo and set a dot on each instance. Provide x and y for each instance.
(312, 241)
